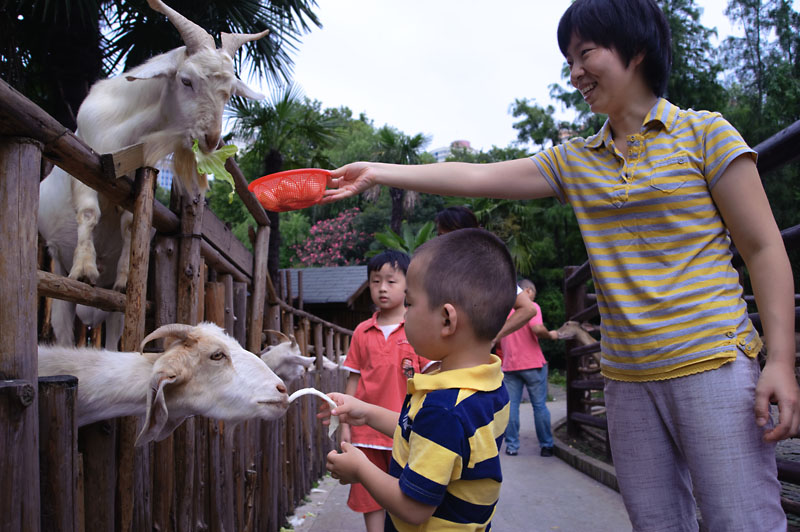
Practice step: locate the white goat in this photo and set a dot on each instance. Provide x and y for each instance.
(202, 371)
(286, 360)
(165, 104)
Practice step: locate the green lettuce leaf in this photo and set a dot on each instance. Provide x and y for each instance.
(214, 163)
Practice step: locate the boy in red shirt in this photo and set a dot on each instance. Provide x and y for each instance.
(380, 361)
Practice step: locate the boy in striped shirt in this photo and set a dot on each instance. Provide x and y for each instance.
(445, 469)
(659, 193)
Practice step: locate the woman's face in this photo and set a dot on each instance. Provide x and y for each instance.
(600, 75)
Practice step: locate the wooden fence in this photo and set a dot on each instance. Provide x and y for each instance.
(585, 405)
(206, 475)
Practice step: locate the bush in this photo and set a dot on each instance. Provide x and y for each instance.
(334, 242)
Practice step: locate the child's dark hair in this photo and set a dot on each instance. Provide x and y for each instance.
(453, 218)
(396, 259)
(627, 26)
(472, 270)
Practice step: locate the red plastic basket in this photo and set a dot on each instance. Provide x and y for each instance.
(290, 190)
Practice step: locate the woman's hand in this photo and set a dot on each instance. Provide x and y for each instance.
(349, 180)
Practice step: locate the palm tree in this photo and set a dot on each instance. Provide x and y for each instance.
(396, 147)
(286, 132)
(54, 51)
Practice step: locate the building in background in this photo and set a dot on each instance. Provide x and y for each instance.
(441, 154)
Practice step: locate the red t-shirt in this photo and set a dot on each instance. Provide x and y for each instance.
(384, 365)
(521, 348)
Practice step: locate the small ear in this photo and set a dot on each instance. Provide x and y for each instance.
(449, 319)
(306, 362)
(240, 89)
(588, 327)
(157, 416)
(165, 65)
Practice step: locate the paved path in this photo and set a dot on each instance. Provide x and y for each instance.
(538, 494)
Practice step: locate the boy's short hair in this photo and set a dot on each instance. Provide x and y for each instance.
(627, 26)
(457, 217)
(527, 283)
(396, 259)
(472, 270)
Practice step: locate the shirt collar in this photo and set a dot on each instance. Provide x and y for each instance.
(662, 113)
(483, 378)
(373, 321)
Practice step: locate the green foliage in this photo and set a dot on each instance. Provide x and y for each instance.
(407, 243)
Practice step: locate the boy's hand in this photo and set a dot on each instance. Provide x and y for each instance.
(779, 384)
(349, 180)
(350, 409)
(345, 466)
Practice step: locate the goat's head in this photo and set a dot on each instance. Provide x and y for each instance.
(204, 371)
(200, 81)
(285, 358)
(573, 330)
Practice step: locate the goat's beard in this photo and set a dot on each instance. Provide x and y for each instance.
(159, 144)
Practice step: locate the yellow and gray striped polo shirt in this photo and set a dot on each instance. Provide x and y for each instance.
(670, 301)
(445, 450)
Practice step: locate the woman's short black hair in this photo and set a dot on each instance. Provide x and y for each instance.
(627, 26)
(453, 218)
(396, 259)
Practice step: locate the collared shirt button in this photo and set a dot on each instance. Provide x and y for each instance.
(730, 334)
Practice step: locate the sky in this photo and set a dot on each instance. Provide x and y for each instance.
(449, 69)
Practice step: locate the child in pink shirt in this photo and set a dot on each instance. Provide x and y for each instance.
(524, 365)
(380, 361)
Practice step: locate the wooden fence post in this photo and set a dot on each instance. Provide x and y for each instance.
(165, 288)
(58, 453)
(256, 322)
(20, 160)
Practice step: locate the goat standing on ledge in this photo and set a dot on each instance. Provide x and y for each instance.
(202, 371)
(165, 104)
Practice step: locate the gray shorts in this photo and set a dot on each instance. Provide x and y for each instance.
(694, 434)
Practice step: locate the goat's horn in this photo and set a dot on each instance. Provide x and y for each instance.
(231, 42)
(177, 330)
(277, 333)
(195, 37)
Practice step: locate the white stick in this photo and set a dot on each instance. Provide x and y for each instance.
(313, 391)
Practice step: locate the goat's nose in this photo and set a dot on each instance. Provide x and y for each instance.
(281, 388)
(211, 141)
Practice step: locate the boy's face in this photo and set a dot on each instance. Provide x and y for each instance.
(387, 287)
(600, 75)
(421, 320)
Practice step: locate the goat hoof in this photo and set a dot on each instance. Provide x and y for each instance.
(85, 275)
(121, 287)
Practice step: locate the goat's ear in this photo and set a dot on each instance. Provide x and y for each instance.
(241, 89)
(157, 416)
(165, 65)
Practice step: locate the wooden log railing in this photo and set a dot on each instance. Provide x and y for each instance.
(205, 475)
(585, 407)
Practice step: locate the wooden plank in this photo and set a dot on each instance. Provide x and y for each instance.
(58, 287)
(219, 263)
(58, 453)
(588, 419)
(249, 200)
(227, 282)
(20, 160)
(125, 160)
(240, 312)
(219, 235)
(588, 384)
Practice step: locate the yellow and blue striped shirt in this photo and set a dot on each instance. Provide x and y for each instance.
(670, 301)
(445, 450)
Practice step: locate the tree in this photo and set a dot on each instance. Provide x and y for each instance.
(396, 147)
(694, 80)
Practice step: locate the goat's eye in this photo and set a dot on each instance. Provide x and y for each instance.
(186, 82)
(219, 355)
